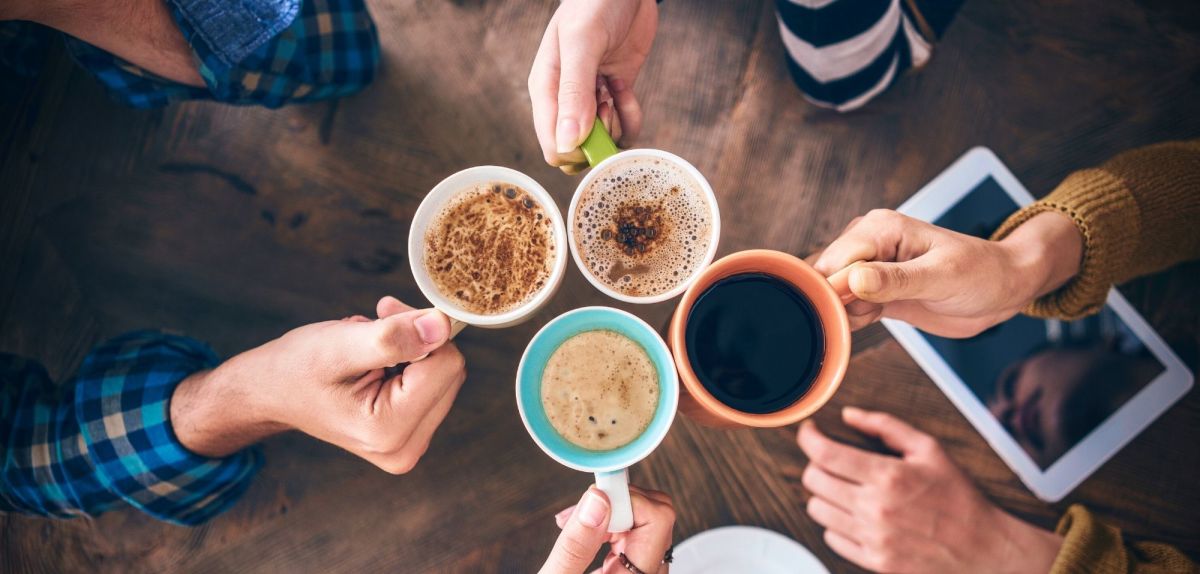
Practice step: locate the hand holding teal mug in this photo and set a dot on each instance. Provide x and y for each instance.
(610, 466)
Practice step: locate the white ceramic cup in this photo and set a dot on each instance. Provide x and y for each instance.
(427, 213)
(704, 188)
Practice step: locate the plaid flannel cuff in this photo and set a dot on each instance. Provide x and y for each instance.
(121, 404)
(329, 50)
(46, 469)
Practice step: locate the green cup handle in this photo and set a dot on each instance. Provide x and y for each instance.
(598, 146)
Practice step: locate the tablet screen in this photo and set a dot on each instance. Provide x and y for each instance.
(1049, 383)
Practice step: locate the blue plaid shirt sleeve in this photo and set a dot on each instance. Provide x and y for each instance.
(105, 439)
(256, 52)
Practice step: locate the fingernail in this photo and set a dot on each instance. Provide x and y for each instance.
(563, 514)
(567, 135)
(852, 412)
(591, 510)
(432, 328)
(865, 280)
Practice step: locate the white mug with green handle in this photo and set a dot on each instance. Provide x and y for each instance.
(602, 154)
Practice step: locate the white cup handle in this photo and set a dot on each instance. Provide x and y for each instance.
(615, 485)
(456, 327)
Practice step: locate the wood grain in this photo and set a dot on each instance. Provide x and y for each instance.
(236, 224)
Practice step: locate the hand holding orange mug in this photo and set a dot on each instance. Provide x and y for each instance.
(944, 282)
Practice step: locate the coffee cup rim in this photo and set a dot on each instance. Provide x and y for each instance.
(432, 203)
(663, 418)
(834, 323)
(714, 228)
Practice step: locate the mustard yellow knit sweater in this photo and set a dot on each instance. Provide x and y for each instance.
(1139, 213)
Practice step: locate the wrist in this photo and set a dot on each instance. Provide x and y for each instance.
(213, 415)
(1027, 548)
(1044, 253)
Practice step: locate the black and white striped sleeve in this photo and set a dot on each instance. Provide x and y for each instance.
(843, 53)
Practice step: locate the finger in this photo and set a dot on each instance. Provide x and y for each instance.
(847, 548)
(582, 536)
(655, 495)
(842, 460)
(579, 60)
(844, 251)
(876, 236)
(883, 282)
(564, 515)
(420, 437)
(392, 340)
(422, 384)
(854, 244)
(647, 543)
(543, 92)
(573, 169)
(895, 433)
(859, 307)
(629, 111)
(832, 517)
(388, 306)
(859, 321)
(832, 488)
(863, 313)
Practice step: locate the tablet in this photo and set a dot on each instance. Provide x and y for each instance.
(1055, 399)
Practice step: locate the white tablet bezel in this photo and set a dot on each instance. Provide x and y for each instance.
(1116, 431)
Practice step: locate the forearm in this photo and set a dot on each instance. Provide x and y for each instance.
(1137, 215)
(213, 415)
(141, 32)
(108, 439)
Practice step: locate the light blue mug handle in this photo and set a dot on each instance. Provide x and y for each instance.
(615, 485)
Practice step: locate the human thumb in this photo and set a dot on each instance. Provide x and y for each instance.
(581, 537)
(880, 282)
(392, 340)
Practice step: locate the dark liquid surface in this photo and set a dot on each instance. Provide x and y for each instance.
(755, 342)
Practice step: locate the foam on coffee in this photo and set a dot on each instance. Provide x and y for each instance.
(600, 390)
(490, 249)
(643, 226)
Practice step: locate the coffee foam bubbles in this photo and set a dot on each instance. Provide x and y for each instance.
(643, 226)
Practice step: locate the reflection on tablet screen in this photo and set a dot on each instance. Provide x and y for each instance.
(1048, 382)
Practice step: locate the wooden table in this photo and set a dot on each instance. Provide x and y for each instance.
(235, 224)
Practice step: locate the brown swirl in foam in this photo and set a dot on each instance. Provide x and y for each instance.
(490, 249)
(643, 226)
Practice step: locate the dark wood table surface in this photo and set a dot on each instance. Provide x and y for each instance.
(236, 224)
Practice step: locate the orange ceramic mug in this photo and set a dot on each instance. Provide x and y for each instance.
(828, 297)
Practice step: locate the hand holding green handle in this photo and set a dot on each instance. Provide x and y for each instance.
(598, 146)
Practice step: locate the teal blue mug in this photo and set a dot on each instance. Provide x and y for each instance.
(610, 467)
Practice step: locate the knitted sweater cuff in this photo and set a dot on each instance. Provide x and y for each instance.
(1109, 220)
(1088, 545)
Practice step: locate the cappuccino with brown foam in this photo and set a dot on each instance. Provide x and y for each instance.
(490, 249)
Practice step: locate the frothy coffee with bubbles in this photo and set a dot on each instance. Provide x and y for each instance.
(643, 226)
(600, 390)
